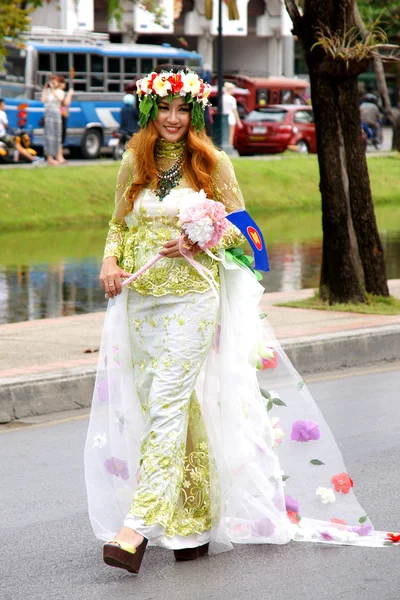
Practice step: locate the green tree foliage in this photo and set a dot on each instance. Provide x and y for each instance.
(14, 21)
(387, 12)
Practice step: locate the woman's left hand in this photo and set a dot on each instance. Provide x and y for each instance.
(171, 248)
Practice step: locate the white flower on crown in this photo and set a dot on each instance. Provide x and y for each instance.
(161, 86)
(142, 85)
(191, 83)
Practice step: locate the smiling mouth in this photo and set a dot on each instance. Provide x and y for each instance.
(172, 129)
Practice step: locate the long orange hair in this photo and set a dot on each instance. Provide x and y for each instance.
(198, 165)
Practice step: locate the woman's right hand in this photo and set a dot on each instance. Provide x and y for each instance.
(110, 276)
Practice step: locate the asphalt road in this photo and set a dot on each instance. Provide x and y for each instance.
(48, 551)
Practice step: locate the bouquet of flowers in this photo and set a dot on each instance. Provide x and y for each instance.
(202, 222)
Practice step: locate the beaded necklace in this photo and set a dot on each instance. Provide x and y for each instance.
(169, 178)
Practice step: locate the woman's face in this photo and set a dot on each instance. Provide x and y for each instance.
(173, 119)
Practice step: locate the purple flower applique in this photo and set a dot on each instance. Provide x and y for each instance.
(263, 528)
(361, 529)
(102, 392)
(291, 504)
(116, 466)
(304, 431)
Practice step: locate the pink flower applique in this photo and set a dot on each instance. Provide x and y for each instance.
(342, 482)
(116, 466)
(304, 431)
(293, 517)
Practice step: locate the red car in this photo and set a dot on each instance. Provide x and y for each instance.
(273, 129)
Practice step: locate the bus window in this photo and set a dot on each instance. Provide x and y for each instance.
(62, 63)
(263, 97)
(147, 66)
(97, 71)
(14, 66)
(44, 62)
(80, 63)
(80, 75)
(130, 67)
(114, 66)
(179, 61)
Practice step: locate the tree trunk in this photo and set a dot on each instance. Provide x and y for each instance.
(362, 208)
(345, 187)
(339, 281)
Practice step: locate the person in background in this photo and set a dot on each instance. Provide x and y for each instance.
(229, 107)
(65, 104)
(371, 118)
(129, 115)
(52, 98)
(10, 141)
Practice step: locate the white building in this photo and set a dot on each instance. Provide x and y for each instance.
(259, 43)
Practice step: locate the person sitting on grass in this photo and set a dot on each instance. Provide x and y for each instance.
(10, 142)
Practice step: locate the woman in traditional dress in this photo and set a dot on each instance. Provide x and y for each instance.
(184, 449)
(52, 98)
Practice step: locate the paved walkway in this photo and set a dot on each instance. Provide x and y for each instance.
(68, 343)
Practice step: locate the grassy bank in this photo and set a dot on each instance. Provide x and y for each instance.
(83, 196)
(375, 305)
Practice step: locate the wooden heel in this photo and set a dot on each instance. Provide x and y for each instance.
(190, 553)
(116, 556)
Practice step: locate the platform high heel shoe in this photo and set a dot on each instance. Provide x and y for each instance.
(191, 553)
(124, 556)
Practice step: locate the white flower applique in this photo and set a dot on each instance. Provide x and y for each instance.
(327, 495)
(100, 440)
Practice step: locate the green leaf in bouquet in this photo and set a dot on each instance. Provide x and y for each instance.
(236, 251)
(316, 461)
(265, 394)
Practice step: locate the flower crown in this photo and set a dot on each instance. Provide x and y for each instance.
(188, 86)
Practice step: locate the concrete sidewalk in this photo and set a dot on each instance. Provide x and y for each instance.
(48, 365)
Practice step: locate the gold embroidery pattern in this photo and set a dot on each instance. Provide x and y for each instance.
(174, 481)
(135, 246)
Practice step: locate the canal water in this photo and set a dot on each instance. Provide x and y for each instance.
(55, 274)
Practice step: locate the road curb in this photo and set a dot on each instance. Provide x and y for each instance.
(33, 395)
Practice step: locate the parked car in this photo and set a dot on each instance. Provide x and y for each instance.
(274, 129)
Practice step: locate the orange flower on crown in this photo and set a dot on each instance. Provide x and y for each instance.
(342, 482)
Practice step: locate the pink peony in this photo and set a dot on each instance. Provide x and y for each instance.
(203, 220)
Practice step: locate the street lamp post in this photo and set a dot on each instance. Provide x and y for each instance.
(221, 121)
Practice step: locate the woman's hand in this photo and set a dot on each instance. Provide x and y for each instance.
(171, 248)
(110, 276)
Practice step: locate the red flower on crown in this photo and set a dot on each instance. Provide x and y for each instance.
(176, 83)
(342, 482)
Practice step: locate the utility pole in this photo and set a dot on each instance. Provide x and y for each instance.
(221, 132)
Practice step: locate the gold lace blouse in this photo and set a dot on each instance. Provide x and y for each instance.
(134, 238)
